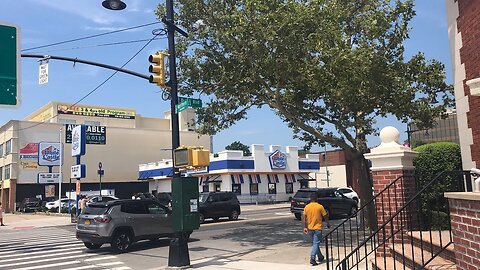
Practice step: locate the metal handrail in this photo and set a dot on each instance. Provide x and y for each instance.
(389, 220)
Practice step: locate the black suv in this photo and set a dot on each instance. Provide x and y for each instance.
(30, 205)
(335, 203)
(218, 204)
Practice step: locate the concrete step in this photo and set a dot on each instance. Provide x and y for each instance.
(388, 264)
(412, 256)
(434, 241)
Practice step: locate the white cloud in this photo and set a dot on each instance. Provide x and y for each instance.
(90, 10)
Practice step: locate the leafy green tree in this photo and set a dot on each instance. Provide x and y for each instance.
(328, 68)
(236, 145)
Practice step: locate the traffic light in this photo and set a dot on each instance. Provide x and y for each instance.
(191, 157)
(158, 68)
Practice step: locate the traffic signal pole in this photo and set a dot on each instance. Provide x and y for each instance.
(178, 254)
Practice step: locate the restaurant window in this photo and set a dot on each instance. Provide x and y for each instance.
(237, 188)
(7, 172)
(288, 188)
(253, 189)
(205, 188)
(8, 147)
(272, 188)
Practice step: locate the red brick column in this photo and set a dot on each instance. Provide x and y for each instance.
(392, 161)
(465, 222)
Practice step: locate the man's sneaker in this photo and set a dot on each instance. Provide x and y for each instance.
(321, 258)
(313, 262)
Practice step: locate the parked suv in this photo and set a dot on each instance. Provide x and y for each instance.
(122, 222)
(30, 205)
(335, 203)
(218, 204)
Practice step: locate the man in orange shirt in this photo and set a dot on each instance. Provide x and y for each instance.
(313, 214)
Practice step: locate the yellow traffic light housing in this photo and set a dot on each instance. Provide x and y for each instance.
(158, 68)
(191, 157)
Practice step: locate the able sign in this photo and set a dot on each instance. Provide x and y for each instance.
(49, 178)
(43, 73)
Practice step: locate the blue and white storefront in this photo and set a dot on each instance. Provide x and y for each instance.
(263, 177)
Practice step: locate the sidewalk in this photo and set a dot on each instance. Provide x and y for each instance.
(27, 221)
(253, 207)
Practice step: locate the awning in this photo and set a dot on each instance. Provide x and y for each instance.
(201, 179)
(237, 178)
(305, 177)
(254, 178)
(273, 178)
(290, 178)
(210, 179)
(144, 175)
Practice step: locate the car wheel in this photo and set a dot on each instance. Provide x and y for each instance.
(92, 246)
(233, 215)
(353, 211)
(298, 216)
(202, 218)
(121, 241)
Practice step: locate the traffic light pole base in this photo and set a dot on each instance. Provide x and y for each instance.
(178, 255)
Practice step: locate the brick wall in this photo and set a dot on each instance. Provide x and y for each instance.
(468, 24)
(465, 216)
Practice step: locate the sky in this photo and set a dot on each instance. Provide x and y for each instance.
(44, 22)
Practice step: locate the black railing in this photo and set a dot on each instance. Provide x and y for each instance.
(352, 232)
(416, 233)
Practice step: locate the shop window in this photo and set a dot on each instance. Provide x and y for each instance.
(205, 188)
(254, 189)
(237, 188)
(7, 172)
(217, 187)
(288, 188)
(303, 184)
(8, 147)
(272, 188)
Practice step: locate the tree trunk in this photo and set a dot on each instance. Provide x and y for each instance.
(366, 189)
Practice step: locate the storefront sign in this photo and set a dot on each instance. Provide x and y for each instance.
(78, 140)
(93, 134)
(278, 160)
(49, 178)
(49, 154)
(98, 112)
(29, 157)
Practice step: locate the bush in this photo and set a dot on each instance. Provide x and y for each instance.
(433, 159)
(439, 220)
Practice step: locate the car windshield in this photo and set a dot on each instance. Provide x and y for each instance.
(303, 194)
(95, 210)
(203, 198)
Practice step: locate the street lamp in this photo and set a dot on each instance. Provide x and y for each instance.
(114, 4)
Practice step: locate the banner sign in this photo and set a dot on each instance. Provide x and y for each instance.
(49, 154)
(77, 171)
(93, 134)
(98, 112)
(49, 178)
(29, 156)
(278, 160)
(78, 140)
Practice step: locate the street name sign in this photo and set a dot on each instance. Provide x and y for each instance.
(9, 65)
(49, 178)
(181, 106)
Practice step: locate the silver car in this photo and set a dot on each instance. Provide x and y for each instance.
(122, 222)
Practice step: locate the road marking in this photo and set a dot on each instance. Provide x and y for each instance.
(48, 260)
(40, 256)
(41, 252)
(283, 214)
(121, 268)
(48, 265)
(100, 258)
(109, 264)
(80, 267)
(32, 248)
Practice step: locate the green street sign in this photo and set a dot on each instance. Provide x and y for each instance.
(192, 102)
(9, 65)
(183, 105)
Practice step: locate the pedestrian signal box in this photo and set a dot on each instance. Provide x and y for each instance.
(191, 157)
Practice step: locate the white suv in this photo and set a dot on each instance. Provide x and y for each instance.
(349, 193)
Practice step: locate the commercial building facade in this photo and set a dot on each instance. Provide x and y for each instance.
(119, 138)
(262, 177)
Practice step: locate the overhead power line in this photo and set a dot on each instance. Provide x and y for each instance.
(92, 36)
(96, 88)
